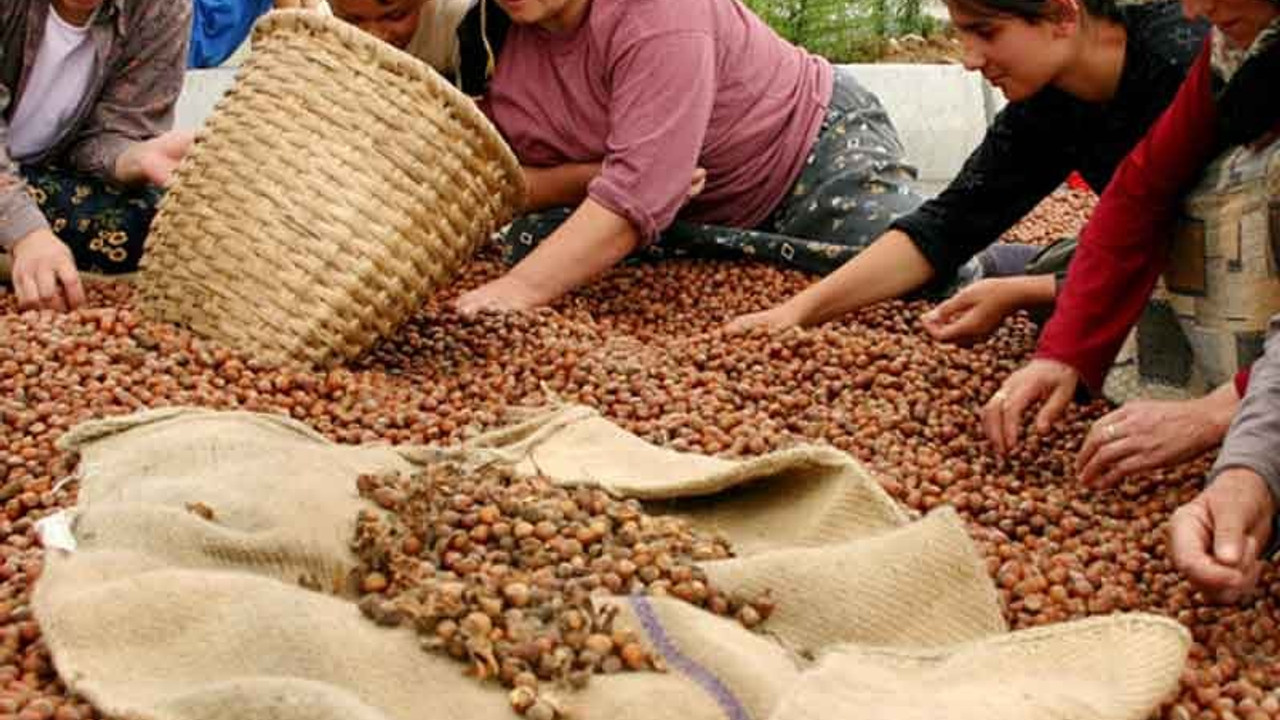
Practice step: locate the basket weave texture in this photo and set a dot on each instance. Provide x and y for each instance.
(336, 186)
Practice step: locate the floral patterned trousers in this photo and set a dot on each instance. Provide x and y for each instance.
(104, 225)
(855, 182)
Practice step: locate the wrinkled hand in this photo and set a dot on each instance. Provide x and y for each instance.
(297, 4)
(44, 274)
(779, 317)
(974, 312)
(1144, 435)
(1049, 381)
(1215, 539)
(506, 294)
(153, 161)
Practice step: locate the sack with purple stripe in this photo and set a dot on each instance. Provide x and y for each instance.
(153, 610)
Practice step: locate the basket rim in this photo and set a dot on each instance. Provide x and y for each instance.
(397, 61)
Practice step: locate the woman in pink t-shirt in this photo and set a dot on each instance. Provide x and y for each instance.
(613, 106)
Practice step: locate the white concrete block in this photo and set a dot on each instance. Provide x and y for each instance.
(995, 100)
(941, 112)
(201, 90)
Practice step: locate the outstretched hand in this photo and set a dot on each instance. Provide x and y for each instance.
(45, 275)
(153, 161)
(779, 317)
(1049, 382)
(1216, 538)
(1145, 435)
(506, 294)
(973, 313)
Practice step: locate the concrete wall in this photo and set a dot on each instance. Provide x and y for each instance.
(940, 111)
(201, 90)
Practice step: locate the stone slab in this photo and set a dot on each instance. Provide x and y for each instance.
(201, 90)
(941, 111)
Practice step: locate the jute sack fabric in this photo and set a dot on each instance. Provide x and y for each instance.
(160, 614)
(1209, 315)
(334, 187)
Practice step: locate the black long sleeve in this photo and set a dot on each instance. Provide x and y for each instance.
(1035, 143)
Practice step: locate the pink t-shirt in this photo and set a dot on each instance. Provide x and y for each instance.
(656, 88)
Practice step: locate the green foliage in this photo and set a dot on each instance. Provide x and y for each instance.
(844, 30)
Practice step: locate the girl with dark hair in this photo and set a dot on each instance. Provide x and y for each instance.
(1084, 83)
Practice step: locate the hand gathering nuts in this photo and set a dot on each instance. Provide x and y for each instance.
(508, 574)
(646, 351)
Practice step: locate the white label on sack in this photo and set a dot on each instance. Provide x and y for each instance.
(55, 531)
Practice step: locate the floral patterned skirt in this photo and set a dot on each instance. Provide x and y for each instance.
(104, 225)
(853, 185)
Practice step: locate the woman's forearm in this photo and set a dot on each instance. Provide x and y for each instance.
(591, 241)
(890, 267)
(1033, 290)
(558, 185)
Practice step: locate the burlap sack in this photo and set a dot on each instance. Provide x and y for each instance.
(160, 614)
(1208, 317)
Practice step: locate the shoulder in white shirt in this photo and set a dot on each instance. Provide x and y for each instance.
(60, 78)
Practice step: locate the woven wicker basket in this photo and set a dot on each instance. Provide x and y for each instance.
(333, 189)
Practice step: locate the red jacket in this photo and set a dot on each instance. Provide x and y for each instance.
(1125, 245)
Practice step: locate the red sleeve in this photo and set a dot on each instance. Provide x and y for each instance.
(1125, 245)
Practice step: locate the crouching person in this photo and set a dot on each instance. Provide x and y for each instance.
(87, 91)
(679, 126)
(1221, 538)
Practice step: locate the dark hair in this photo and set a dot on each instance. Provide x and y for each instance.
(1247, 108)
(1034, 11)
(481, 34)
